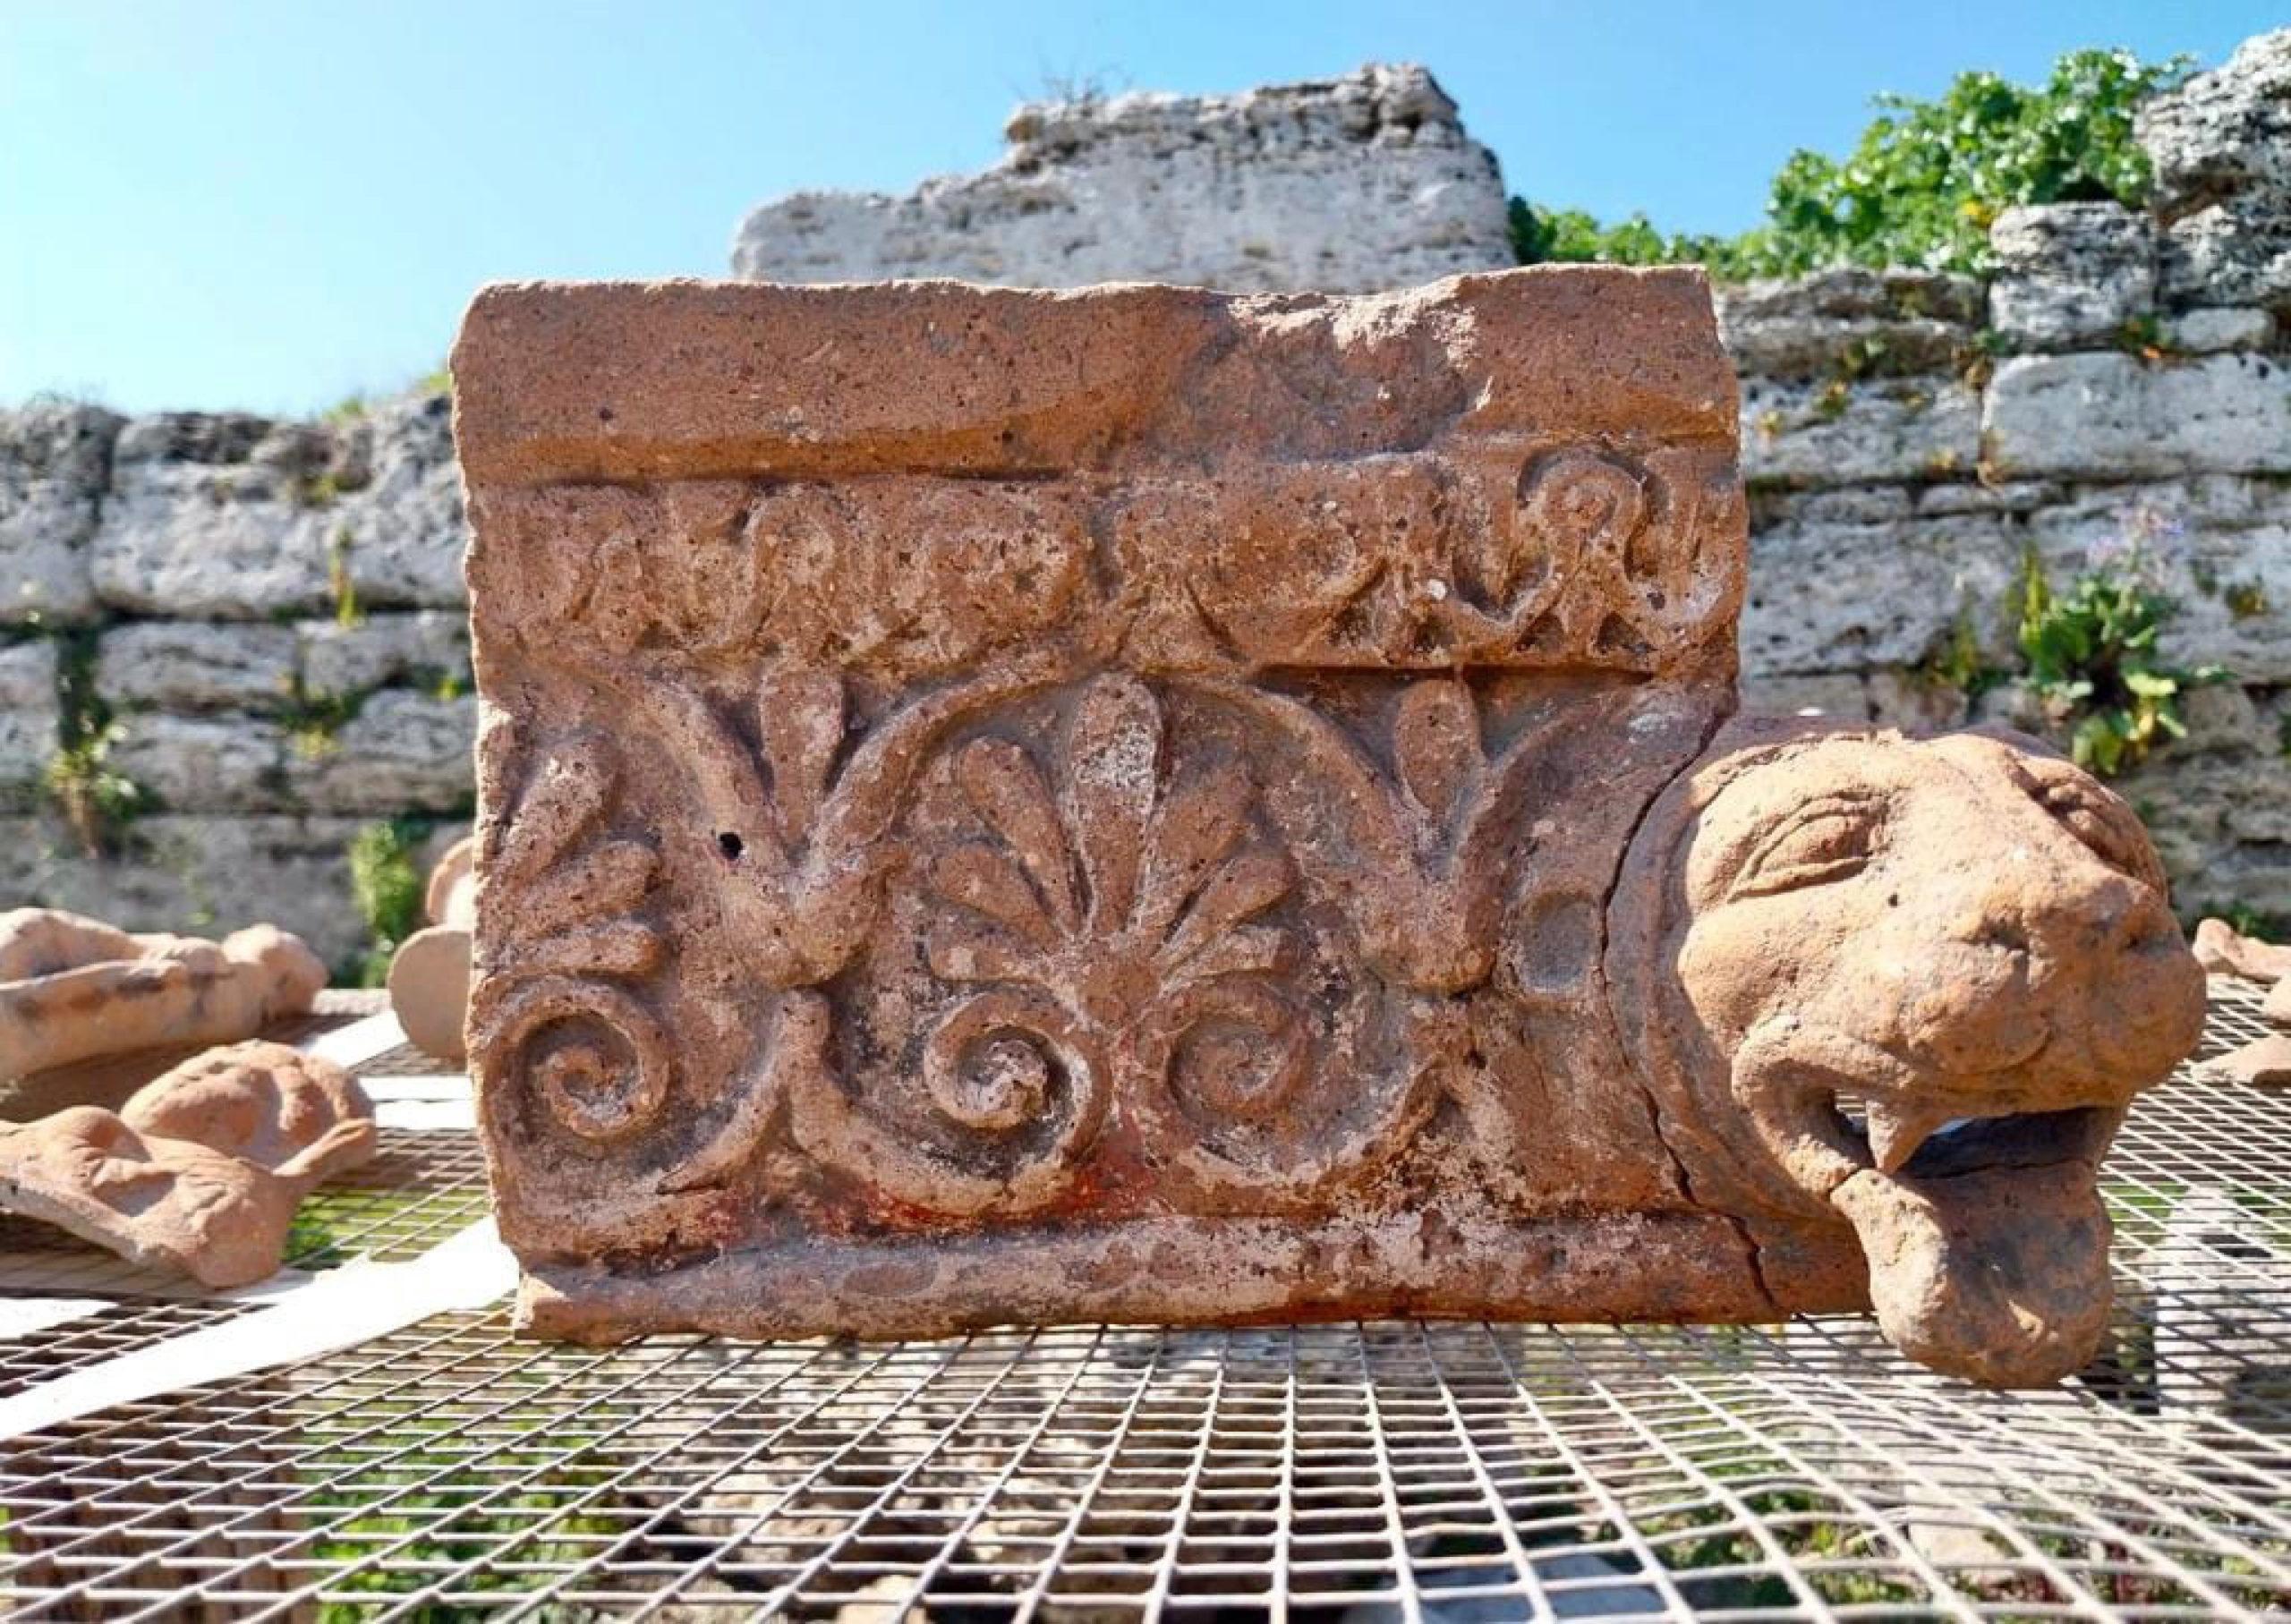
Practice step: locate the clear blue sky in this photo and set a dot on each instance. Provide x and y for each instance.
(227, 203)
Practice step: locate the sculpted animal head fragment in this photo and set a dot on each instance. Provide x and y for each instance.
(1914, 983)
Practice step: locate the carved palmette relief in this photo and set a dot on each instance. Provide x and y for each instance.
(971, 920)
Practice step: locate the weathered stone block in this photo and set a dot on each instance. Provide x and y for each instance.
(2115, 416)
(1154, 803)
(219, 516)
(2070, 274)
(2219, 147)
(1876, 432)
(189, 665)
(28, 716)
(429, 647)
(1832, 598)
(402, 535)
(1850, 323)
(1856, 293)
(1364, 181)
(2205, 332)
(54, 458)
(205, 763)
(229, 517)
(402, 753)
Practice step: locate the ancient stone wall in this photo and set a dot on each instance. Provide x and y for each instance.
(272, 616)
(274, 610)
(1354, 184)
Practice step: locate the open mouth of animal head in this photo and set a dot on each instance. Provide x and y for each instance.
(1977, 1207)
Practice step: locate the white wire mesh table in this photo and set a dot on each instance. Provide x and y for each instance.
(1352, 1473)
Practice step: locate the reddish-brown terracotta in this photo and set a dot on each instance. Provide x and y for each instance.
(72, 987)
(1150, 804)
(201, 1170)
(429, 979)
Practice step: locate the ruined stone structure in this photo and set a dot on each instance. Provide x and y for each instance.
(1201, 807)
(1905, 438)
(1361, 183)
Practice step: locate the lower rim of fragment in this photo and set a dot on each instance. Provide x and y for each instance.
(1673, 1267)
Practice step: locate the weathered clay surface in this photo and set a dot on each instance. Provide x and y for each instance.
(2265, 1060)
(429, 979)
(1151, 805)
(1966, 940)
(72, 987)
(268, 1104)
(200, 1171)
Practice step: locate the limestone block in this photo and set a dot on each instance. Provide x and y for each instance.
(1876, 432)
(402, 534)
(2238, 252)
(1155, 809)
(1855, 294)
(2070, 274)
(425, 647)
(224, 763)
(233, 517)
(223, 518)
(1364, 181)
(1841, 695)
(402, 753)
(2002, 496)
(1850, 323)
(54, 457)
(2222, 823)
(1848, 505)
(1837, 598)
(2220, 148)
(2111, 416)
(2206, 331)
(28, 716)
(191, 665)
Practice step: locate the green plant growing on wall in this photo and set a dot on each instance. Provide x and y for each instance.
(96, 801)
(1922, 185)
(2092, 662)
(347, 614)
(388, 886)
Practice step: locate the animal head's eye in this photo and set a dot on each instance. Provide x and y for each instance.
(1822, 841)
(2105, 824)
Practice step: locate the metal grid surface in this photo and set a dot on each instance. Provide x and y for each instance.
(1361, 1473)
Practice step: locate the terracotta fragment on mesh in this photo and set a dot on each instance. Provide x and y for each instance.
(1150, 804)
(72, 988)
(429, 979)
(202, 1169)
(2224, 950)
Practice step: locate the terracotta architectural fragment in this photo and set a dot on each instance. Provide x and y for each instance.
(428, 978)
(1148, 805)
(201, 1170)
(2224, 950)
(71, 988)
